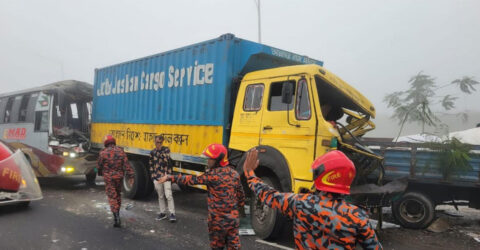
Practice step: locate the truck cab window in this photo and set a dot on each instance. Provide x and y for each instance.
(253, 97)
(22, 115)
(275, 99)
(302, 110)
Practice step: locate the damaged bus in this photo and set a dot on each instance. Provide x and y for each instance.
(51, 126)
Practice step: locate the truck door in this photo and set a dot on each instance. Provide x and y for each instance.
(290, 128)
(247, 116)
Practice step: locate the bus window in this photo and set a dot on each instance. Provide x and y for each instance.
(31, 108)
(73, 108)
(22, 114)
(89, 110)
(3, 104)
(8, 110)
(41, 121)
(84, 113)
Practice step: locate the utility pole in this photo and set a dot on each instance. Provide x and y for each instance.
(257, 2)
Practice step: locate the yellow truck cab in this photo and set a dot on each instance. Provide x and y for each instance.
(297, 130)
(289, 114)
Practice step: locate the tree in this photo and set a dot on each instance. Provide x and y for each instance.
(415, 104)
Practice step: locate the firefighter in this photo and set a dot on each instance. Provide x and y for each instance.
(225, 197)
(323, 219)
(113, 163)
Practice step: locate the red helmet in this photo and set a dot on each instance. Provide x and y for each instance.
(108, 139)
(217, 152)
(333, 172)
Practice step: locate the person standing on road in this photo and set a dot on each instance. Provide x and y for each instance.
(160, 165)
(113, 163)
(322, 220)
(225, 197)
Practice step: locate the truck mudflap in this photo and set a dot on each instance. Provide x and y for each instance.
(372, 195)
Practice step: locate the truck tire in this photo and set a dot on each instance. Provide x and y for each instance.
(414, 210)
(267, 222)
(139, 187)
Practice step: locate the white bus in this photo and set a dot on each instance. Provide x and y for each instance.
(51, 126)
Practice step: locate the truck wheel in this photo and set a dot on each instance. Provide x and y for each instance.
(138, 187)
(267, 222)
(91, 178)
(414, 210)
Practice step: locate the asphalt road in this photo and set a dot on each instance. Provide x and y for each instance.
(74, 216)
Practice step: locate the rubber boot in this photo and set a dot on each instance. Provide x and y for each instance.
(116, 220)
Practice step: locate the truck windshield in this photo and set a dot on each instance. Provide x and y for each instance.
(335, 103)
(331, 100)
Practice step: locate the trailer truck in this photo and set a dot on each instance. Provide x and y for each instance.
(428, 186)
(241, 94)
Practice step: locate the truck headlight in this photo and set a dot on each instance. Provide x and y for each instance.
(73, 154)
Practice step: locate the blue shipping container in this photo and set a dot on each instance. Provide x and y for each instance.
(189, 85)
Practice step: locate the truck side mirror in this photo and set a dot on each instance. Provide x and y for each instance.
(287, 92)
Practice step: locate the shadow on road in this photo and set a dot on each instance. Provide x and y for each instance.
(69, 183)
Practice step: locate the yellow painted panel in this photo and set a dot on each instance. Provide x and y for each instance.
(296, 142)
(246, 123)
(300, 185)
(184, 139)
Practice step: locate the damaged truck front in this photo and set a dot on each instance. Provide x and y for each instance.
(51, 125)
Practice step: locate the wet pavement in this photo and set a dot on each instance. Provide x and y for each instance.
(73, 215)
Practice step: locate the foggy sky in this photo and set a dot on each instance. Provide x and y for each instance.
(376, 46)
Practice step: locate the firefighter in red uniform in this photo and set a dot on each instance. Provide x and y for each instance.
(322, 220)
(225, 197)
(113, 163)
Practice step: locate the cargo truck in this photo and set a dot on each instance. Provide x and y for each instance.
(427, 187)
(241, 94)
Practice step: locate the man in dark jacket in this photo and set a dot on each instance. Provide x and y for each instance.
(113, 163)
(225, 197)
(160, 165)
(322, 220)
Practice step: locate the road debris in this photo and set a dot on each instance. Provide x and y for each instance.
(385, 225)
(439, 226)
(475, 236)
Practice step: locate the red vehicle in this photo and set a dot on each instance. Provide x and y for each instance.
(18, 184)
